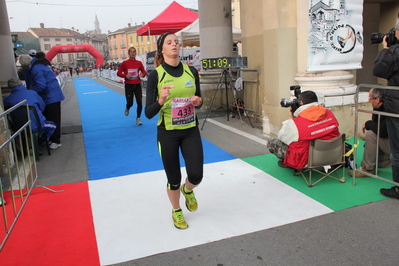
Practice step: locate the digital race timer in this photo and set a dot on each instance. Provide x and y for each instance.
(224, 62)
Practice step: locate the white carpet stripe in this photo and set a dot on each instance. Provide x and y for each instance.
(132, 214)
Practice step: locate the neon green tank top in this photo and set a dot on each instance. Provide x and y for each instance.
(177, 111)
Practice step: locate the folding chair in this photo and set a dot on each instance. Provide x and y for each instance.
(18, 119)
(325, 153)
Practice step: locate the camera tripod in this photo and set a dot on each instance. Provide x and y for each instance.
(226, 79)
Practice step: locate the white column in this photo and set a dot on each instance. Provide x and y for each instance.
(7, 62)
(334, 88)
(215, 23)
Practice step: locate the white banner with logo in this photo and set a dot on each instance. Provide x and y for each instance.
(190, 56)
(335, 40)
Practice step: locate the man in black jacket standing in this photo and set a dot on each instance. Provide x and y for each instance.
(370, 128)
(386, 66)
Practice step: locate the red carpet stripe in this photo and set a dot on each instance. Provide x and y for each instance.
(54, 229)
(9, 211)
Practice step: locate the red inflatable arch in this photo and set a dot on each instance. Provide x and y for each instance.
(80, 48)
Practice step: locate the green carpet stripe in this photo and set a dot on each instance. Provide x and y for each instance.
(329, 192)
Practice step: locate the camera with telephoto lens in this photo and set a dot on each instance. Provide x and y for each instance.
(377, 37)
(294, 104)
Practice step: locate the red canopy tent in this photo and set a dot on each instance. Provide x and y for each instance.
(174, 18)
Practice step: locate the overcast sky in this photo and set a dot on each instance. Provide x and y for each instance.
(80, 14)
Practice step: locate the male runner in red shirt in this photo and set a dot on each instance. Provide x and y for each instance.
(132, 70)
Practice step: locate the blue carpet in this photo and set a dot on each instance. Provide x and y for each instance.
(115, 145)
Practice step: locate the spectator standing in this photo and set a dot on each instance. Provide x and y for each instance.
(45, 83)
(15, 57)
(386, 66)
(32, 53)
(25, 60)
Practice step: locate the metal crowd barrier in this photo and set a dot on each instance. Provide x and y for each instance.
(19, 173)
(110, 74)
(366, 88)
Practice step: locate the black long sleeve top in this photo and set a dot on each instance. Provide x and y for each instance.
(386, 66)
(373, 123)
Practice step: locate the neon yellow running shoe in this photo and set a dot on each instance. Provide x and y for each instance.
(191, 202)
(178, 219)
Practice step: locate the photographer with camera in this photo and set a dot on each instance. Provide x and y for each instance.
(309, 121)
(370, 130)
(386, 66)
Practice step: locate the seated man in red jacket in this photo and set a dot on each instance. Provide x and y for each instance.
(310, 121)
